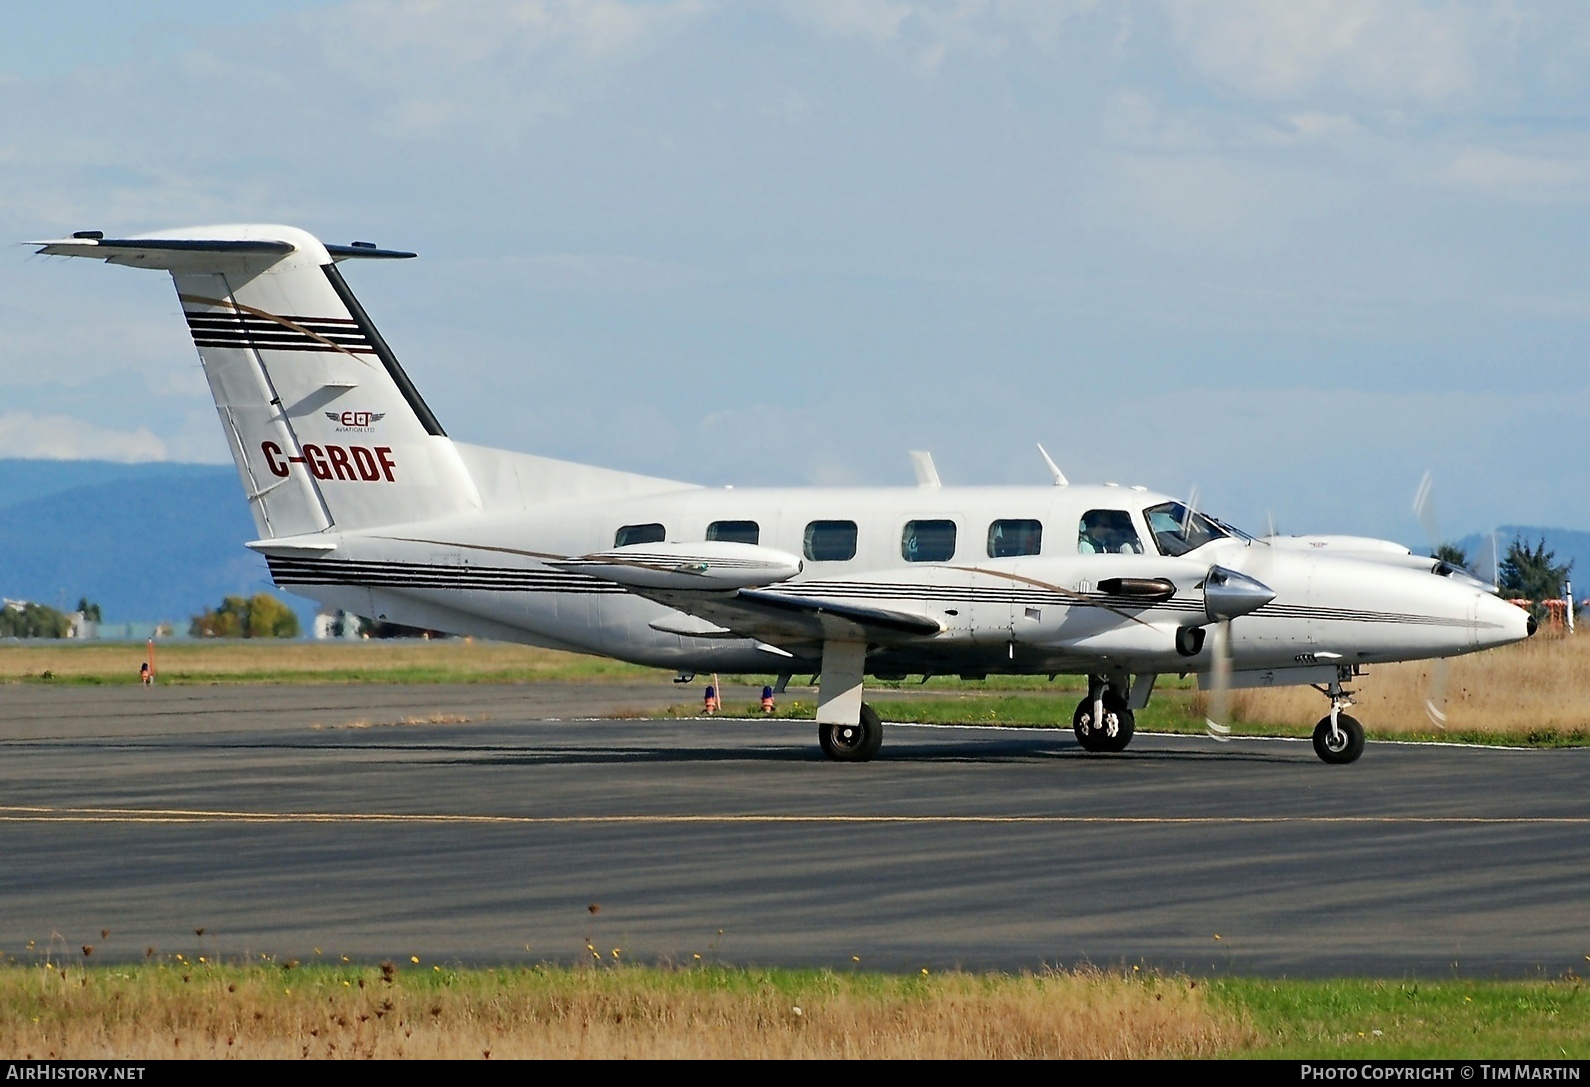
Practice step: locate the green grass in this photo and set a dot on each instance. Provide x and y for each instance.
(1407, 1020)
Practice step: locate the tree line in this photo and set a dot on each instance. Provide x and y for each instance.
(1525, 572)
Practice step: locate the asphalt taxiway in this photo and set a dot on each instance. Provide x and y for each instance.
(480, 824)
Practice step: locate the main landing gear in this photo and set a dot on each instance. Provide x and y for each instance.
(848, 729)
(1103, 721)
(1338, 738)
(853, 743)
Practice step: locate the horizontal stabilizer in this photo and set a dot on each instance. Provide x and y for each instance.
(161, 252)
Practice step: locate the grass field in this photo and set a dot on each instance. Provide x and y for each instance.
(451, 660)
(1534, 693)
(182, 1008)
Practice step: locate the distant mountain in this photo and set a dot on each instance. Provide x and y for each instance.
(147, 542)
(1567, 544)
(21, 480)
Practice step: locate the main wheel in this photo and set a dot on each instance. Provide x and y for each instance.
(1344, 746)
(853, 743)
(1125, 726)
(1095, 736)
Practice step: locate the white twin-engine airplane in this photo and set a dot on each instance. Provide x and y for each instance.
(364, 503)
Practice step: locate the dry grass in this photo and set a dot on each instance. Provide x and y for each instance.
(197, 1010)
(428, 719)
(1540, 687)
(405, 661)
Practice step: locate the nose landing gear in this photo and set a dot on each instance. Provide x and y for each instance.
(1338, 738)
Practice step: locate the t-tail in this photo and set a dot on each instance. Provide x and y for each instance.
(326, 428)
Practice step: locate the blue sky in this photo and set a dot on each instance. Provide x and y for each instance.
(1293, 254)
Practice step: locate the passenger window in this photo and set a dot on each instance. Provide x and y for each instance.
(830, 541)
(639, 534)
(746, 532)
(1108, 532)
(1010, 538)
(928, 541)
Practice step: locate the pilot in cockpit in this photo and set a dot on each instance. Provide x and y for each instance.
(1107, 532)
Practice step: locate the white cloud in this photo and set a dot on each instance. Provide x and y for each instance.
(1495, 171)
(61, 437)
(1314, 126)
(1199, 195)
(876, 21)
(930, 31)
(472, 34)
(1392, 52)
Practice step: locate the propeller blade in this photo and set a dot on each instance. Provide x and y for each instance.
(1440, 669)
(1188, 509)
(1424, 510)
(1435, 703)
(1220, 683)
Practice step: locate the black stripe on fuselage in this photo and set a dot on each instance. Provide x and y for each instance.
(408, 575)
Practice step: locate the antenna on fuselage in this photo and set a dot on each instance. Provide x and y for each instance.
(926, 474)
(1060, 479)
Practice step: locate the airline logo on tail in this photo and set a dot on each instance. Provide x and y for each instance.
(355, 420)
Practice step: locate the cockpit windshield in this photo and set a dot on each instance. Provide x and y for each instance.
(1178, 530)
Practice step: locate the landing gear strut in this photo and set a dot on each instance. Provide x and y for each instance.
(1103, 721)
(1338, 738)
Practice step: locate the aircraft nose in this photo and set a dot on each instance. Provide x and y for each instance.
(1496, 622)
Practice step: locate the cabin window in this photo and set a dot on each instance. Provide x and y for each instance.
(830, 541)
(746, 532)
(639, 534)
(1017, 537)
(1108, 532)
(928, 541)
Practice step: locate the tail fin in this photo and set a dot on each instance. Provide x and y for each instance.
(326, 428)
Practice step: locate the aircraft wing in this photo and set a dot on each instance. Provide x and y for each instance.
(725, 587)
(784, 619)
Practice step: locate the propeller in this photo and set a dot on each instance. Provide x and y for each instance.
(1227, 595)
(1219, 710)
(1441, 669)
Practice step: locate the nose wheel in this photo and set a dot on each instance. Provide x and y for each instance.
(1338, 738)
(853, 743)
(1103, 722)
(1340, 741)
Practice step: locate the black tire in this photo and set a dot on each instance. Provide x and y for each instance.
(1343, 748)
(853, 743)
(1095, 739)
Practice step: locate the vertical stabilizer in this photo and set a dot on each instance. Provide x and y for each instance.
(326, 428)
